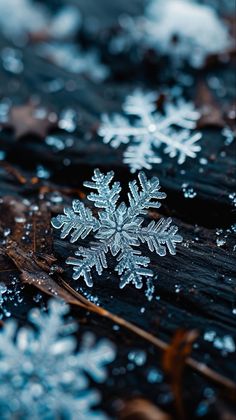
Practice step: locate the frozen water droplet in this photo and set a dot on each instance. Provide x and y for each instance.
(6, 232)
(232, 197)
(12, 60)
(228, 134)
(20, 220)
(188, 191)
(42, 173)
(139, 357)
(68, 120)
(154, 376)
(150, 290)
(2, 155)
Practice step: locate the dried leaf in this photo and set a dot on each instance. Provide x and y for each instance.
(174, 361)
(30, 119)
(211, 113)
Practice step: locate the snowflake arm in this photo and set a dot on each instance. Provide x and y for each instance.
(95, 256)
(93, 357)
(160, 236)
(142, 105)
(183, 115)
(140, 155)
(108, 195)
(140, 201)
(78, 220)
(116, 130)
(132, 267)
(181, 144)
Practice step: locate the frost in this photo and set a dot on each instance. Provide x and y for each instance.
(151, 129)
(118, 229)
(41, 374)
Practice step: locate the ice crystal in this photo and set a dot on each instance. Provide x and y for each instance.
(152, 129)
(41, 374)
(118, 229)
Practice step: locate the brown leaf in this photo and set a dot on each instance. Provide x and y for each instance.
(31, 119)
(174, 360)
(211, 113)
(141, 409)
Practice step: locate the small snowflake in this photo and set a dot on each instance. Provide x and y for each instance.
(151, 129)
(41, 375)
(118, 229)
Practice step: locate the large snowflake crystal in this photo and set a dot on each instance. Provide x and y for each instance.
(41, 374)
(118, 229)
(151, 129)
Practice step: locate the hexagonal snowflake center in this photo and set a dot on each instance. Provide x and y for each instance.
(152, 128)
(118, 223)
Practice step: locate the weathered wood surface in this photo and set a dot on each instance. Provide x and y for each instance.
(194, 290)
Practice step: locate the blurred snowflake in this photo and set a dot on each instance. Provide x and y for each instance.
(185, 30)
(19, 18)
(41, 375)
(119, 229)
(73, 59)
(151, 129)
(182, 29)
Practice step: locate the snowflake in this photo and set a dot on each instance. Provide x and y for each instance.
(41, 375)
(151, 129)
(181, 29)
(118, 229)
(72, 58)
(185, 30)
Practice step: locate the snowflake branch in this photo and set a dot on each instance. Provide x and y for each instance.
(79, 220)
(140, 201)
(181, 143)
(160, 236)
(141, 155)
(95, 256)
(117, 130)
(107, 196)
(131, 267)
(142, 105)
